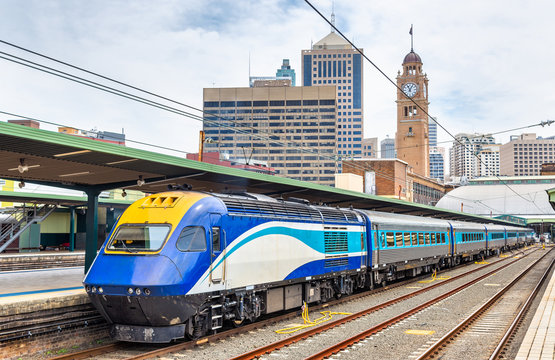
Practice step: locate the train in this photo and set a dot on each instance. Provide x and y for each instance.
(185, 263)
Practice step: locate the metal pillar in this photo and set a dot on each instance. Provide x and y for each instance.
(71, 228)
(91, 244)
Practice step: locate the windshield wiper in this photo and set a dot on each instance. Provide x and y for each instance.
(126, 248)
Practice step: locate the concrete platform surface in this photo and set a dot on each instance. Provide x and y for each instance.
(28, 289)
(539, 341)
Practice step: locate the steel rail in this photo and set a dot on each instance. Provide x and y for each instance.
(301, 336)
(520, 316)
(375, 329)
(101, 350)
(433, 350)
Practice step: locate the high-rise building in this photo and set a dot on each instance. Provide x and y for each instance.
(432, 132)
(293, 129)
(333, 61)
(437, 154)
(437, 163)
(286, 72)
(489, 160)
(370, 148)
(411, 138)
(465, 152)
(524, 155)
(387, 148)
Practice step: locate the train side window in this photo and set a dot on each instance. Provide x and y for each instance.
(390, 240)
(420, 239)
(427, 238)
(382, 237)
(406, 236)
(433, 238)
(443, 238)
(414, 237)
(399, 239)
(216, 239)
(192, 238)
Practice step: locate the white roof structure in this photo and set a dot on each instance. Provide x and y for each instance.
(530, 200)
(332, 41)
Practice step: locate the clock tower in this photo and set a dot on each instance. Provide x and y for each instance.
(411, 139)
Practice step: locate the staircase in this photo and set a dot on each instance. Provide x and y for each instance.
(19, 220)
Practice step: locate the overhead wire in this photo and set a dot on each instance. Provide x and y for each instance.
(90, 83)
(408, 97)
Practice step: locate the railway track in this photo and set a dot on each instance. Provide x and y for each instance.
(486, 317)
(22, 326)
(119, 350)
(327, 352)
(34, 265)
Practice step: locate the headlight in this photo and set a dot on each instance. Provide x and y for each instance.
(88, 288)
(138, 291)
(130, 291)
(93, 289)
(100, 290)
(146, 291)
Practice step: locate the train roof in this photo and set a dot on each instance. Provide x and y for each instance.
(386, 219)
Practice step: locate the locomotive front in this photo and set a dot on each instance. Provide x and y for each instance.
(156, 253)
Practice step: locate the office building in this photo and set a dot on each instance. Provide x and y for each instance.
(286, 72)
(524, 155)
(489, 160)
(432, 132)
(333, 61)
(293, 129)
(437, 163)
(387, 148)
(465, 153)
(370, 148)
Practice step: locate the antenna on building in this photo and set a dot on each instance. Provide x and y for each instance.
(333, 16)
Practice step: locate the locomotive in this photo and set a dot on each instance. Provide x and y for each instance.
(183, 263)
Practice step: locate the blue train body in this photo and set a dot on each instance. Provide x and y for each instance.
(183, 263)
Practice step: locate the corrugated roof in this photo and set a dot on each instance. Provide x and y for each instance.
(78, 163)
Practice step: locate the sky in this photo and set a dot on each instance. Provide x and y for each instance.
(489, 63)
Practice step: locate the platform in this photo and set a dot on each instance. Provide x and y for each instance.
(539, 341)
(41, 289)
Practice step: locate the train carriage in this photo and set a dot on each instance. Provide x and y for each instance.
(469, 241)
(406, 245)
(496, 241)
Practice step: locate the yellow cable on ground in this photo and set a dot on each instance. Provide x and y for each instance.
(326, 316)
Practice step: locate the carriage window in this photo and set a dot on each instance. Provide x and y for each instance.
(427, 238)
(390, 240)
(433, 238)
(383, 240)
(406, 236)
(399, 239)
(443, 238)
(216, 238)
(192, 238)
(414, 237)
(132, 237)
(421, 238)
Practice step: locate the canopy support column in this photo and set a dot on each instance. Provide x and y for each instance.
(91, 227)
(71, 228)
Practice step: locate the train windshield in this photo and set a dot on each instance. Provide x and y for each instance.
(139, 237)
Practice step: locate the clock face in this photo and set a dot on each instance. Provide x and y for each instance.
(410, 89)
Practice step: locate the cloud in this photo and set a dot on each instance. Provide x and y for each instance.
(489, 63)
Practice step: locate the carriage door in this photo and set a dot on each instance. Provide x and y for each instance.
(376, 251)
(217, 242)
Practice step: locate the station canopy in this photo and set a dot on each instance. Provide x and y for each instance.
(78, 163)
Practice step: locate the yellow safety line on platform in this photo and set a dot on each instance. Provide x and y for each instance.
(326, 316)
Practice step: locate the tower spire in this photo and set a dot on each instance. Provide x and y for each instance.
(410, 32)
(333, 17)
